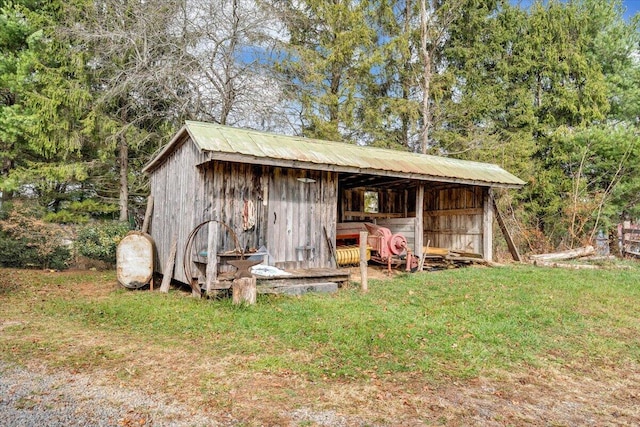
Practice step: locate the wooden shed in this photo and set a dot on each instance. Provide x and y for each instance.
(288, 195)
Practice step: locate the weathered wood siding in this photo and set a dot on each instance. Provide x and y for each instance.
(289, 214)
(228, 188)
(176, 189)
(454, 218)
(297, 213)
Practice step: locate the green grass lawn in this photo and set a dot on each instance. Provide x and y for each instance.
(451, 324)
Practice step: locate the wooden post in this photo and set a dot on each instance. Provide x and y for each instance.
(244, 290)
(212, 257)
(195, 288)
(147, 215)
(487, 226)
(168, 266)
(419, 228)
(364, 286)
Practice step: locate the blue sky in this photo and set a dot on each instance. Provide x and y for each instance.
(633, 7)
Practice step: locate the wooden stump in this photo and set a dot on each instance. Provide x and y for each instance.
(244, 290)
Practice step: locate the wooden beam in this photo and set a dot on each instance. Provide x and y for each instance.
(364, 285)
(487, 225)
(419, 224)
(298, 164)
(505, 232)
(449, 212)
(167, 272)
(212, 256)
(147, 215)
(372, 214)
(460, 231)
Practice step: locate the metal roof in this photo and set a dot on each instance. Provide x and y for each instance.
(253, 147)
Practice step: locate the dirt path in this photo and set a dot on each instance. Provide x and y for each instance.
(33, 397)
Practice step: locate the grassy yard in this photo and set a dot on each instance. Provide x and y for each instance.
(418, 332)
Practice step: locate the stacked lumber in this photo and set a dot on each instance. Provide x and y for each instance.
(443, 258)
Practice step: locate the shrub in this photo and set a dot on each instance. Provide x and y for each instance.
(27, 241)
(99, 240)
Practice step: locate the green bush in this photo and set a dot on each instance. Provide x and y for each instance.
(99, 241)
(27, 241)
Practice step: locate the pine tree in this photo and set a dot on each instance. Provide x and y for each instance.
(325, 60)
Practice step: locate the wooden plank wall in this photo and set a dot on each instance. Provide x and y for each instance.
(453, 218)
(392, 202)
(297, 213)
(227, 187)
(175, 188)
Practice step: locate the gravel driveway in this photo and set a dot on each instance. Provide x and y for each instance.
(34, 398)
(29, 398)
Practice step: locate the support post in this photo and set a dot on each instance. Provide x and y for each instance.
(244, 290)
(167, 272)
(419, 227)
(364, 286)
(211, 272)
(487, 226)
(147, 215)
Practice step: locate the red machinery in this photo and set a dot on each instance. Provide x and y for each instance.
(385, 246)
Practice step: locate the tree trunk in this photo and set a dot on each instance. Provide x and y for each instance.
(570, 254)
(123, 160)
(426, 77)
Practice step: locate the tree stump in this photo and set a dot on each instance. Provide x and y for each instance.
(244, 290)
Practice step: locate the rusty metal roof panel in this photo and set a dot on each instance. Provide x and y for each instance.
(215, 138)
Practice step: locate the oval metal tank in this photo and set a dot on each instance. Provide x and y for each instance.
(134, 260)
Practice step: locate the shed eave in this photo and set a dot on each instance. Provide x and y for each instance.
(297, 164)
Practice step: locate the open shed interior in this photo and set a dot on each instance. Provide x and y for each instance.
(452, 213)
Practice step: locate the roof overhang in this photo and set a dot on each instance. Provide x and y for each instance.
(222, 143)
(297, 164)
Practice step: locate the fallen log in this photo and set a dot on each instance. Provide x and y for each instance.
(599, 258)
(553, 264)
(565, 255)
(565, 265)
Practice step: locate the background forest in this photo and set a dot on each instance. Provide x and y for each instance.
(91, 89)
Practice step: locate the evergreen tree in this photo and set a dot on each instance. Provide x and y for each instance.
(47, 137)
(325, 60)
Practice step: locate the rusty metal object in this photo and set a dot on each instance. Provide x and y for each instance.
(350, 255)
(188, 247)
(243, 266)
(384, 243)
